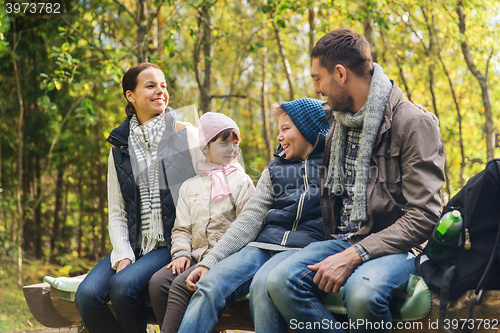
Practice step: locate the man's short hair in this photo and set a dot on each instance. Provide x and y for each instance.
(347, 48)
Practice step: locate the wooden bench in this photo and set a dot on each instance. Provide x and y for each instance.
(52, 311)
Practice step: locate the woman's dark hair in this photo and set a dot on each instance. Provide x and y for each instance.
(129, 82)
(230, 132)
(347, 48)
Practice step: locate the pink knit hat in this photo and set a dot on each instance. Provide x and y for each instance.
(211, 124)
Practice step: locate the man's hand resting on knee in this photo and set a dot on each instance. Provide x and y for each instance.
(334, 271)
(196, 276)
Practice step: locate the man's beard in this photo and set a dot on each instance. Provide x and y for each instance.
(341, 101)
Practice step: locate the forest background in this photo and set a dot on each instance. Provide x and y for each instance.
(60, 96)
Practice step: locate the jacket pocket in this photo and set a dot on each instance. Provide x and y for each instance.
(387, 196)
(389, 165)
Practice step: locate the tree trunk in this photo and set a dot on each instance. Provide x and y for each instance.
(312, 28)
(28, 232)
(80, 216)
(4, 214)
(38, 211)
(4, 220)
(101, 187)
(430, 51)
(266, 119)
(20, 209)
(459, 119)
(284, 60)
(141, 15)
(204, 41)
(483, 82)
(56, 226)
(369, 35)
(156, 36)
(67, 230)
(434, 106)
(94, 214)
(403, 79)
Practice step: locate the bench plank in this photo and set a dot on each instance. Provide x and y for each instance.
(40, 304)
(52, 311)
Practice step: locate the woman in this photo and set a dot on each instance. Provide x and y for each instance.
(152, 154)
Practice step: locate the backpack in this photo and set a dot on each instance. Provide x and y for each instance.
(465, 269)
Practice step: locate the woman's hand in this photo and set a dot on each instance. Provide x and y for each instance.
(122, 264)
(432, 115)
(179, 265)
(196, 276)
(421, 107)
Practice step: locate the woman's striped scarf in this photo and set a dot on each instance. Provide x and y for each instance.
(148, 180)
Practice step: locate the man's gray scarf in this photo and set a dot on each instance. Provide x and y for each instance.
(370, 116)
(148, 180)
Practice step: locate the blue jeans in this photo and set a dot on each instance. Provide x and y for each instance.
(125, 290)
(245, 271)
(367, 292)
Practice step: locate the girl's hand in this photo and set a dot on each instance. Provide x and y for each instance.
(196, 276)
(179, 265)
(122, 264)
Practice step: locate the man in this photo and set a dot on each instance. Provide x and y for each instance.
(381, 180)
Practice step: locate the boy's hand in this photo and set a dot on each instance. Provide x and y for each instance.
(196, 276)
(179, 265)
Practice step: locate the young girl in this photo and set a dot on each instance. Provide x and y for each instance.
(152, 155)
(208, 204)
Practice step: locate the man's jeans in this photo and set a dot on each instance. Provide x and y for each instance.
(227, 281)
(367, 292)
(125, 290)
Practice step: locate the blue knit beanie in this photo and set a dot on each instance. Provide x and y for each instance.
(309, 117)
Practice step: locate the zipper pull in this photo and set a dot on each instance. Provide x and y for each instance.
(467, 244)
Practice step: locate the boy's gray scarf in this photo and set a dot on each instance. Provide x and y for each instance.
(370, 117)
(148, 180)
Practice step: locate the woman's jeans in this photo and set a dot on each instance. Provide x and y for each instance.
(367, 292)
(125, 290)
(232, 278)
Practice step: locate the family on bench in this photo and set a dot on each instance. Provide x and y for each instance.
(354, 186)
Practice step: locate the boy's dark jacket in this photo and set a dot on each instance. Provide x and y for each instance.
(295, 217)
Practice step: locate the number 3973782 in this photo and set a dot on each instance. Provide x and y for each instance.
(33, 8)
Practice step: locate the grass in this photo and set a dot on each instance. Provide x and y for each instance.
(15, 315)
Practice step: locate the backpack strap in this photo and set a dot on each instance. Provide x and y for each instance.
(445, 295)
(471, 310)
(431, 269)
(483, 281)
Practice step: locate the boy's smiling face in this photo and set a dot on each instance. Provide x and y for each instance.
(290, 138)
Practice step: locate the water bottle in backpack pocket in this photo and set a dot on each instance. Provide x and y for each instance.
(443, 244)
(472, 262)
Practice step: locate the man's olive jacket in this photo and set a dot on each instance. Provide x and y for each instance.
(406, 176)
